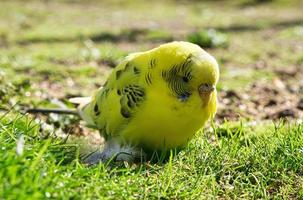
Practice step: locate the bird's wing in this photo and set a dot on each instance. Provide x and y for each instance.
(129, 89)
(131, 97)
(113, 106)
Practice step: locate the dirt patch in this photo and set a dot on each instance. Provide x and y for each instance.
(274, 100)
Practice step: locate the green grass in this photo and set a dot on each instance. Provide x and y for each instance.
(53, 50)
(232, 161)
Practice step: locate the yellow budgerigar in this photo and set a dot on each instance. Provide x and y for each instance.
(157, 99)
(154, 100)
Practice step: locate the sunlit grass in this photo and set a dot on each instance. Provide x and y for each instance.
(235, 161)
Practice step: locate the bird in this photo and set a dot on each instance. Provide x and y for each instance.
(154, 100)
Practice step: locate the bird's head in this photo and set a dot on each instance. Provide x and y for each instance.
(205, 72)
(189, 72)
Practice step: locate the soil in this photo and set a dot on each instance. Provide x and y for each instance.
(280, 98)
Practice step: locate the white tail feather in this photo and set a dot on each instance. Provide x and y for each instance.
(80, 100)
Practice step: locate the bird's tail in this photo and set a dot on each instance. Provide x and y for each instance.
(81, 102)
(83, 109)
(53, 110)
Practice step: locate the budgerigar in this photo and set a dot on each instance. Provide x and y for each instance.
(155, 100)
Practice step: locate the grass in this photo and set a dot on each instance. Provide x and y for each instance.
(208, 39)
(53, 50)
(238, 161)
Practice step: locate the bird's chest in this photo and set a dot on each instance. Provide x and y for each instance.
(165, 122)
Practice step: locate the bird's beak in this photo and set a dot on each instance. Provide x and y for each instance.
(205, 91)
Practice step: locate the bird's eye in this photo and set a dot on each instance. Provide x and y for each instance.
(185, 79)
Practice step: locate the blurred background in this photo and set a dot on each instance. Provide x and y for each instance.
(52, 50)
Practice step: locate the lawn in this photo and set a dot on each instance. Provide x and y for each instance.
(53, 50)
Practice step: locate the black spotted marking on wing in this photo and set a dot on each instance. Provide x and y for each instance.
(105, 93)
(148, 78)
(152, 63)
(104, 132)
(134, 94)
(127, 66)
(124, 112)
(96, 110)
(131, 98)
(118, 74)
(100, 98)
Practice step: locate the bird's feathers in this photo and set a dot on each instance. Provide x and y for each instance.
(80, 100)
(151, 98)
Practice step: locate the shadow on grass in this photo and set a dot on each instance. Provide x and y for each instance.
(134, 35)
(256, 27)
(129, 35)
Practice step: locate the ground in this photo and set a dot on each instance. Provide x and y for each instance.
(53, 50)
